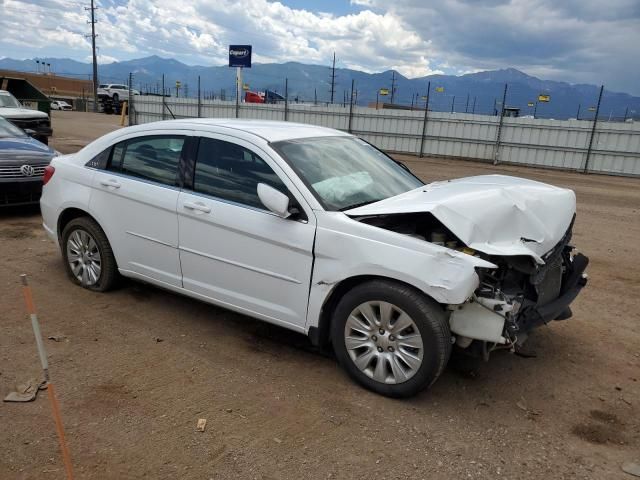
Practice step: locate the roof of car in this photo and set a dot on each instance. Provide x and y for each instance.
(269, 130)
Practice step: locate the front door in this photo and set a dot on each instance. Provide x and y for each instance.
(232, 249)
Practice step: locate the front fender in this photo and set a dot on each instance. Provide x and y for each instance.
(346, 248)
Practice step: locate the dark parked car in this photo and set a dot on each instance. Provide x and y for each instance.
(22, 163)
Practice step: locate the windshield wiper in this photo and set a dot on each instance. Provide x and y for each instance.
(356, 205)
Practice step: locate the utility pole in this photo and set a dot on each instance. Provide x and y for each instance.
(393, 85)
(93, 48)
(333, 77)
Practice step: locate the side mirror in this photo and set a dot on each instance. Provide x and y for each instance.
(276, 201)
(31, 133)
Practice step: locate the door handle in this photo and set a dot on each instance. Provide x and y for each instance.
(196, 206)
(110, 183)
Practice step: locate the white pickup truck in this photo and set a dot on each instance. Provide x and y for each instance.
(35, 123)
(117, 92)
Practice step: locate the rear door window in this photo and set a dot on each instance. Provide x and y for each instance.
(154, 158)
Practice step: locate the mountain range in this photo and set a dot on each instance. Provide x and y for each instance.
(474, 92)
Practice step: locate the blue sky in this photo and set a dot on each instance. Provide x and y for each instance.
(579, 41)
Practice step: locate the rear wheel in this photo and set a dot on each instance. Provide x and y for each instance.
(115, 99)
(87, 255)
(391, 338)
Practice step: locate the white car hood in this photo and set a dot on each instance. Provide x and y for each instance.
(11, 112)
(494, 214)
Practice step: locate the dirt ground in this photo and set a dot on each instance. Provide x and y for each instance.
(139, 366)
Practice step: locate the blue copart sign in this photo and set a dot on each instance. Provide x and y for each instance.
(240, 56)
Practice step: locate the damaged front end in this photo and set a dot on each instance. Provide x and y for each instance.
(518, 296)
(522, 293)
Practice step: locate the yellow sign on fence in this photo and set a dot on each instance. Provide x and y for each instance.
(384, 91)
(543, 98)
(530, 104)
(439, 89)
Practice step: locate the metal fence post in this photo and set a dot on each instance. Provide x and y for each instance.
(351, 106)
(593, 132)
(130, 102)
(199, 99)
(286, 99)
(426, 118)
(164, 116)
(496, 147)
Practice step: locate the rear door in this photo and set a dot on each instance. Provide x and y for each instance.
(232, 249)
(134, 200)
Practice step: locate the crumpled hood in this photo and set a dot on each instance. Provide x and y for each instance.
(494, 214)
(16, 113)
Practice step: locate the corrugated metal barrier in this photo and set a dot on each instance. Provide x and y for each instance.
(536, 142)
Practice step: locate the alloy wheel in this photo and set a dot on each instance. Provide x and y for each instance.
(383, 342)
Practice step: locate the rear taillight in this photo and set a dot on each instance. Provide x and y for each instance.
(48, 173)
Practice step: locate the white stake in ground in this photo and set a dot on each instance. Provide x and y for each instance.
(31, 310)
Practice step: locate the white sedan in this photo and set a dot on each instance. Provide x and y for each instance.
(60, 105)
(318, 231)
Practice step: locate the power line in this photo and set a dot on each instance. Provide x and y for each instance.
(333, 77)
(393, 85)
(93, 49)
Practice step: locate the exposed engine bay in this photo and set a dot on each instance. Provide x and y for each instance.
(512, 299)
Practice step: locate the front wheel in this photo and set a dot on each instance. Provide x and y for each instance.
(391, 338)
(87, 255)
(115, 99)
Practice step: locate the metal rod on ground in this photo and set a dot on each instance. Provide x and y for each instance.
(163, 100)
(199, 99)
(453, 101)
(426, 118)
(496, 148)
(286, 99)
(578, 114)
(626, 112)
(593, 131)
(31, 310)
(466, 106)
(351, 106)
(473, 110)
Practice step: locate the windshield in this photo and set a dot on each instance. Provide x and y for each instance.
(346, 172)
(8, 100)
(9, 130)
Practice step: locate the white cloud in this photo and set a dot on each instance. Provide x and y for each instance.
(574, 40)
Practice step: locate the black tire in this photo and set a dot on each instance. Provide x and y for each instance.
(115, 99)
(109, 268)
(429, 317)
